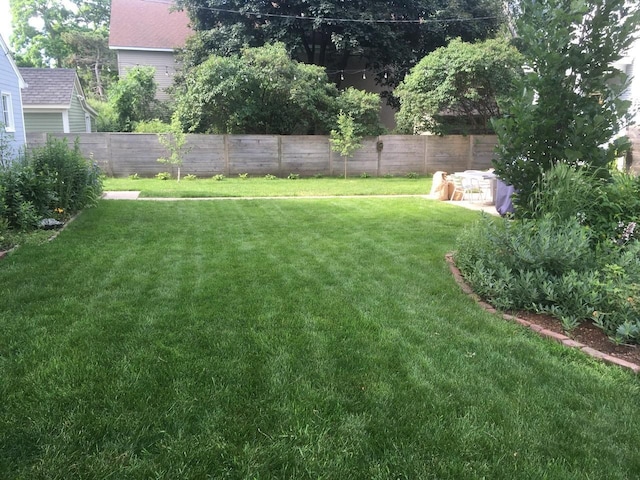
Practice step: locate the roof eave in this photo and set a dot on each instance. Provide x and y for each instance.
(5, 49)
(144, 49)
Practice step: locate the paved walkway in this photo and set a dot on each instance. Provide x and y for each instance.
(133, 195)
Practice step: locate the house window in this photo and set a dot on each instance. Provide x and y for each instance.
(7, 113)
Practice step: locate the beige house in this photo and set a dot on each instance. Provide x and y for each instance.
(148, 33)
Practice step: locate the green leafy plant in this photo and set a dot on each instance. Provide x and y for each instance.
(190, 177)
(568, 105)
(269, 176)
(344, 139)
(163, 176)
(175, 143)
(134, 176)
(458, 88)
(219, 177)
(243, 176)
(293, 176)
(365, 175)
(412, 175)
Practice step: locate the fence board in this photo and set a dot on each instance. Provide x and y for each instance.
(122, 154)
(402, 154)
(253, 154)
(306, 155)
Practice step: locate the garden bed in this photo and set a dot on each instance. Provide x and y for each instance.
(586, 333)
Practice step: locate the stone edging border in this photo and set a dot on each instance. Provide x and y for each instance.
(558, 337)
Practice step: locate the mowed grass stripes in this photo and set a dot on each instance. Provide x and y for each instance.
(285, 339)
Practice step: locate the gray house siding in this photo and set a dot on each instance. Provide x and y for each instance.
(77, 123)
(44, 122)
(164, 63)
(10, 87)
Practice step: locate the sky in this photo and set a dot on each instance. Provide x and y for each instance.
(5, 20)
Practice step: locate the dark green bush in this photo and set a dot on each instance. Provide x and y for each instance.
(76, 181)
(54, 180)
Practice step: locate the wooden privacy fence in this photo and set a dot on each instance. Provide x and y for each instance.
(123, 154)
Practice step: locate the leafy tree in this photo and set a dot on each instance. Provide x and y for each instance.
(390, 35)
(364, 109)
(260, 91)
(458, 88)
(133, 97)
(37, 31)
(345, 139)
(264, 91)
(66, 33)
(569, 107)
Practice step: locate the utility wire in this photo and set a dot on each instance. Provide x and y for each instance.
(350, 20)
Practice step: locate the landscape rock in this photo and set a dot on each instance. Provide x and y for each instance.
(50, 224)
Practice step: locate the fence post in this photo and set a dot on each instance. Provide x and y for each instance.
(471, 153)
(426, 153)
(330, 159)
(280, 173)
(225, 143)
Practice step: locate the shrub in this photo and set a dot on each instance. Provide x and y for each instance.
(77, 182)
(293, 176)
(551, 266)
(152, 126)
(163, 176)
(53, 179)
(219, 177)
(190, 176)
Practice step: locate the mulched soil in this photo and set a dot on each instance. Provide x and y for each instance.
(587, 333)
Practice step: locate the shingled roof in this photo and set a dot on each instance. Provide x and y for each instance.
(48, 86)
(147, 25)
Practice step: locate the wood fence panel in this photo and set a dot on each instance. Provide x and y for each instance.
(402, 154)
(364, 160)
(304, 154)
(449, 154)
(205, 157)
(122, 154)
(253, 154)
(137, 153)
(483, 151)
(94, 146)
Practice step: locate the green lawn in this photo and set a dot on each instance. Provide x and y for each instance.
(319, 339)
(261, 187)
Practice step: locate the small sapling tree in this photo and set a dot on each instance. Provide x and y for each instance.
(344, 139)
(175, 142)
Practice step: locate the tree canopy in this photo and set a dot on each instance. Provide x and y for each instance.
(264, 91)
(458, 88)
(69, 33)
(568, 106)
(389, 35)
